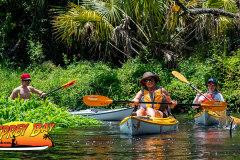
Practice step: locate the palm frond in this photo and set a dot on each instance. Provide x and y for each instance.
(76, 23)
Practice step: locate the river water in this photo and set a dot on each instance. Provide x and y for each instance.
(191, 141)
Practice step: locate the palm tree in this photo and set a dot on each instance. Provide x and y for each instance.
(96, 21)
(90, 23)
(149, 27)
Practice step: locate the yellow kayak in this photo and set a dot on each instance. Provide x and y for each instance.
(235, 120)
(140, 125)
(207, 118)
(212, 118)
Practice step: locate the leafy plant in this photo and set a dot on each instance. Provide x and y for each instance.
(35, 51)
(98, 78)
(39, 112)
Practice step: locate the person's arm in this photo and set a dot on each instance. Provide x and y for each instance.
(195, 102)
(168, 98)
(169, 110)
(14, 94)
(33, 90)
(220, 97)
(198, 99)
(137, 98)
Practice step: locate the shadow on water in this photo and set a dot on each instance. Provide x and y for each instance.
(191, 141)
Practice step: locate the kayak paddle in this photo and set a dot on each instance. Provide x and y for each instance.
(98, 100)
(183, 79)
(63, 86)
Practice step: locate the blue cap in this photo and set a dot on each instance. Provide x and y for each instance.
(212, 80)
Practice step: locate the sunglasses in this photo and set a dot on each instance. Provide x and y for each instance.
(148, 80)
(28, 81)
(211, 85)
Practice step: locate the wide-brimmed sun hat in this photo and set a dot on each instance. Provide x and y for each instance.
(146, 75)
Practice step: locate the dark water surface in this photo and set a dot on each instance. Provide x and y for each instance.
(191, 141)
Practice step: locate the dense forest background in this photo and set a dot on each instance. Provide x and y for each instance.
(113, 42)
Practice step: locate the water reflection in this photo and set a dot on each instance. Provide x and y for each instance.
(159, 146)
(191, 141)
(209, 139)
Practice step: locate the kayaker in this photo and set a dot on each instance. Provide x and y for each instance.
(152, 93)
(212, 93)
(24, 90)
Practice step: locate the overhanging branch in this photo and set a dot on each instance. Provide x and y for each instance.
(211, 11)
(196, 11)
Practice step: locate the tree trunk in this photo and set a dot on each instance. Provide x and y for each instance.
(18, 43)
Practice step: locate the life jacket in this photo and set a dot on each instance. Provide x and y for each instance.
(210, 96)
(155, 97)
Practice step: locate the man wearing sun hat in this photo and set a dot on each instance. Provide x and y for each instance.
(24, 90)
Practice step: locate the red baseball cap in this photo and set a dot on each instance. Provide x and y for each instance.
(25, 77)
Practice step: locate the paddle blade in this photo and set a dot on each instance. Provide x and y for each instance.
(179, 76)
(96, 100)
(236, 120)
(214, 105)
(69, 84)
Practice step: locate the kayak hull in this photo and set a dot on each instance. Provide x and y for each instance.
(142, 125)
(106, 115)
(23, 148)
(207, 118)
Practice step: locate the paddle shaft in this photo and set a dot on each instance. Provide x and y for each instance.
(157, 103)
(182, 78)
(205, 106)
(198, 91)
(51, 91)
(215, 61)
(63, 86)
(98, 100)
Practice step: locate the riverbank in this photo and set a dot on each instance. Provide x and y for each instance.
(97, 78)
(36, 111)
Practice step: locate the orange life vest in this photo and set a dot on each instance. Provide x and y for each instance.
(155, 97)
(210, 96)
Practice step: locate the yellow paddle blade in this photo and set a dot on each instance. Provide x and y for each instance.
(214, 105)
(236, 120)
(69, 84)
(96, 100)
(179, 76)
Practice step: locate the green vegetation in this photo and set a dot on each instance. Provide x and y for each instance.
(97, 78)
(39, 112)
(108, 45)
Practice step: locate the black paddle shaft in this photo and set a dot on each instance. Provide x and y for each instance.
(52, 91)
(157, 103)
(198, 91)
